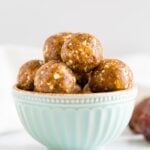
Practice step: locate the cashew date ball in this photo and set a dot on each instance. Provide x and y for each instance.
(54, 77)
(25, 79)
(82, 52)
(53, 45)
(111, 75)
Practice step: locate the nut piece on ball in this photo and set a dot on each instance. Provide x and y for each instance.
(54, 77)
(82, 52)
(53, 45)
(140, 121)
(111, 75)
(25, 79)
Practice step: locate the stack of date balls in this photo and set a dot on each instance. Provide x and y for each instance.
(74, 63)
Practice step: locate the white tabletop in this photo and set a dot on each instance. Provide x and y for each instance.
(20, 140)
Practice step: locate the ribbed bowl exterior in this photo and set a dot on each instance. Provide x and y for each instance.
(75, 122)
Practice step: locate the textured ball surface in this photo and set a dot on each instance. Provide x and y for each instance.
(25, 79)
(111, 75)
(53, 45)
(55, 77)
(82, 52)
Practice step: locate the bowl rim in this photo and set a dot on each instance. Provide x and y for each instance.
(75, 100)
(134, 88)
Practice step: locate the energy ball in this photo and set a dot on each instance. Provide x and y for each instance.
(82, 52)
(111, 75)
(25, 79)
(53, 45)
(54, 77)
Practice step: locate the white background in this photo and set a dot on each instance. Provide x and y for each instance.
(122, 25)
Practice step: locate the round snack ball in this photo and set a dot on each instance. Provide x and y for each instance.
(82, 52)
(54, 77)
(53, 45)
(25, 79)
(111, 75)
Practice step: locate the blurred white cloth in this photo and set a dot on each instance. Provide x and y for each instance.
(12, 57)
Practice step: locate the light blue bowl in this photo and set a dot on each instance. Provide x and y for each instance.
(75, 121)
